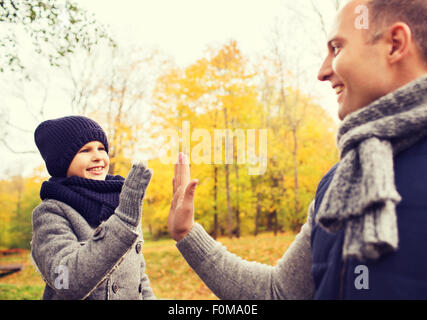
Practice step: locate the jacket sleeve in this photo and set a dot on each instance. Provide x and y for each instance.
(145, 288)
(147, 291)
(233, 278)
(74, 270)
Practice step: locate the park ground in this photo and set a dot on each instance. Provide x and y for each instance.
(170, 275)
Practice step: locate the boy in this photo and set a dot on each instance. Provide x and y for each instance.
(87, 236)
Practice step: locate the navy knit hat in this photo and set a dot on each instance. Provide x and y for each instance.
(58, 141)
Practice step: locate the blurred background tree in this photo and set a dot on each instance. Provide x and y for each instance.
(53, 52)
(224, 92)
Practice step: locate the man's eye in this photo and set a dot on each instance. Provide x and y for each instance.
(336, 49)
(101, 149)
(84, 150)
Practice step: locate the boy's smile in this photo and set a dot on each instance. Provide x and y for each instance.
(98, 170)
(90, 162)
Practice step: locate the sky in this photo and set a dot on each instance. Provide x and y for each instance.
(183, 29)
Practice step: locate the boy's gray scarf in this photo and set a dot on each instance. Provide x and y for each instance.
(362, 196)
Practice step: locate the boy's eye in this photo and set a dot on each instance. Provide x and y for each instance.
(84, 150)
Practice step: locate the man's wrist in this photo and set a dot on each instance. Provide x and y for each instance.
(178, 236)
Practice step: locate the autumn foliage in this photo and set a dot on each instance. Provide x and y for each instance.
(224, 90)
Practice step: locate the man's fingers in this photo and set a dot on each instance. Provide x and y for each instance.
(185, 171)
(175, 199)
(173, 186)
(183, 197)
(182, 174)
(190, 190)
(179, 169)
(177, 180)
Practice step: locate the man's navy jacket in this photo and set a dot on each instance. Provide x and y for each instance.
(396, 275)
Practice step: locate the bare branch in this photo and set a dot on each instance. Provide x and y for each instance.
(338, 4)
(8, 123)
(3, 141)
(321, 19)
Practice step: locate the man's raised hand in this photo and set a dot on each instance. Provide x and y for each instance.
(181, 214)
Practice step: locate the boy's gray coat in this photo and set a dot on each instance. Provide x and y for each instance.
(79, 262)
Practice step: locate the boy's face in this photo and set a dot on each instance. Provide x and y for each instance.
(90, 162)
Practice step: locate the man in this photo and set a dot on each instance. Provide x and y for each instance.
(365, 231)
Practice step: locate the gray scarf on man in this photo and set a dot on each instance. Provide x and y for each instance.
(362, 196)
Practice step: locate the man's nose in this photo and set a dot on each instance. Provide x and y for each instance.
(325, 71)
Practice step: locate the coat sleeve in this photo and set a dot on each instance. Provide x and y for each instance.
(74, 270)
(147, 291)
(233, 278)
(71, 269)
(145, 288)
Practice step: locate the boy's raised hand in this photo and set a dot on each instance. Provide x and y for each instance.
(181, 214)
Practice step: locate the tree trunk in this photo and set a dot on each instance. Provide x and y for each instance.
(215, 232)
(227, 183)
(295, 158)
(229, 211)
(275, 223)
(236, 167)
(258, 212)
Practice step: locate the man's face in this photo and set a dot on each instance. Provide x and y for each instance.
(90, 162)
(355, 67)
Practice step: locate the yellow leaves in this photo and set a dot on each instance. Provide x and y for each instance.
(223, 91)
(18, 197)
(157, 197)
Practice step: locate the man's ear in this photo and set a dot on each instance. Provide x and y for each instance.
(399, 40)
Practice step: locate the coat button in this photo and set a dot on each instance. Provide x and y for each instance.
(115, 287)
(138, 247)
(97, 231)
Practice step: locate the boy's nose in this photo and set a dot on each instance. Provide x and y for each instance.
(97, 156)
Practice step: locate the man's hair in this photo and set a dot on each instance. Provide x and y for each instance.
(383, 13)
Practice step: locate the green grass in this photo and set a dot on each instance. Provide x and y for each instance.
(20, 292)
